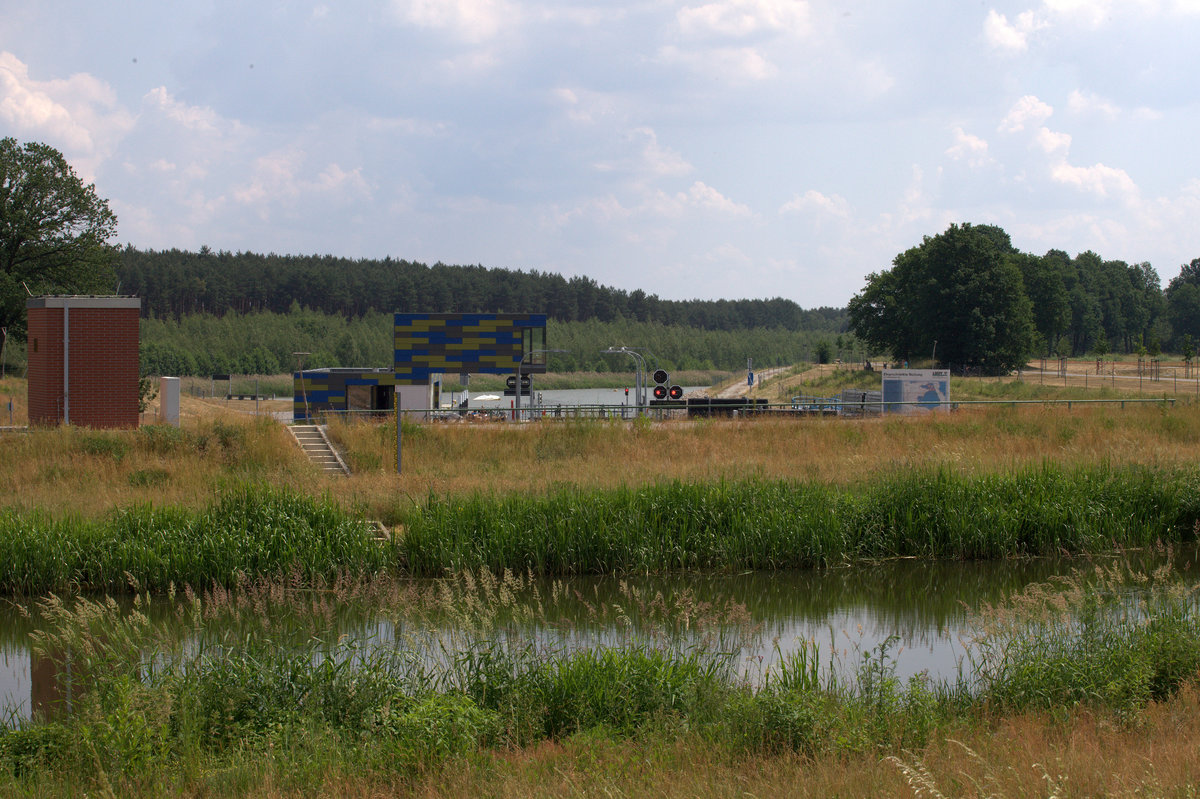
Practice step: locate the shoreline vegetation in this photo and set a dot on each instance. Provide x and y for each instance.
(256, 532)
(1106, 663)
(284, 713)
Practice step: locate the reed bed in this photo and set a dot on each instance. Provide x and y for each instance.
(248, 532)
(763, 524)
(1112, 637)
(760, 524)
(248, 713)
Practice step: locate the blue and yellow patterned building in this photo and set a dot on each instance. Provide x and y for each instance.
(430, 344)
(426, 346)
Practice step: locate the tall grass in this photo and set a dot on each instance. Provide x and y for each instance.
(248, 532)
(78, 472)
(462, 459)
(761, 524)
(154, 715)
(757, 524)
(1110, 638)
(74, 472)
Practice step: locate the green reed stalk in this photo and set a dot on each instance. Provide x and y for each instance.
(248, 532)
(762, 524)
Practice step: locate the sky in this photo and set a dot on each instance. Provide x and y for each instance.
(691, 149)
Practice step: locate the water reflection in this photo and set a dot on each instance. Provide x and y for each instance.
(757, 617)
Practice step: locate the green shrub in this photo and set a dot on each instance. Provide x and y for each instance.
(106, 445)
(771, 721)
(37, 747)
(162, 439)
(249, 532)
(147, 478)
(621, 689)
(437, 728)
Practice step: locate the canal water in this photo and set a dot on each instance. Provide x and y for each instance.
(921, 610)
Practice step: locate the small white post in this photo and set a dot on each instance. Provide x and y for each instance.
(168, 401)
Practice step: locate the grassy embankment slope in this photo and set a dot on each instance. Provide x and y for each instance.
(229, 493)
(87, 473)
(1112, 714)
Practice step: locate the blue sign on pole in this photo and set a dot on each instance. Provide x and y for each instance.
(750, 379)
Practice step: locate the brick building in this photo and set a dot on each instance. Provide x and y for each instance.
(83, 360)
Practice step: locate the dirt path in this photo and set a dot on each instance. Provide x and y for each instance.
(740, 389)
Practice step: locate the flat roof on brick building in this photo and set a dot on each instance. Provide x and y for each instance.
(83, 301)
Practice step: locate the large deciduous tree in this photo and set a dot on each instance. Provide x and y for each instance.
(54, 231)
(1047, 291)
(961, 289)
(1183, 302)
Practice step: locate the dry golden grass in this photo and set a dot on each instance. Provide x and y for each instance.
(52, 469)
(463, 458)
(79, 471)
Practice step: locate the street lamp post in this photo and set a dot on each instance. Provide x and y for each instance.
(520, 367)
(639, 392)
(300, 370)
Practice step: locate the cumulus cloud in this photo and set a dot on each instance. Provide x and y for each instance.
(701, 195)
(1028, 111)
(283, 176)
(1052, 141)
(1013, 37)
(813, 201)
(80, 114)
(740, 18)
(1092, 12)
(915, 204)
(1097, 179)
(469, 20)
(970, 148)
(724, 30)
(580, 105)
(1093, 105)
(196, 119)
(26, 107)
(1088, 103)
(1010, 36)
(601, 210)
(652, 159)
(727, 64)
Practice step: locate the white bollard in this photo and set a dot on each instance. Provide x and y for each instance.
(168, 401)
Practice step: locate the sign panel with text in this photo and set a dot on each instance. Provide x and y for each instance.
(916, 390)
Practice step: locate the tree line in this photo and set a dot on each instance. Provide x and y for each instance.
(178, 283)
(967, 297)
(262, 342)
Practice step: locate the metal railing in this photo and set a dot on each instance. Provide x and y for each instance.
(797, 407)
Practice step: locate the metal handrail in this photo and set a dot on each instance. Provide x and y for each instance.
(628, 412)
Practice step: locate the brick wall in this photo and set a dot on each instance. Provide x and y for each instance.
(103, 358)
(45, 374)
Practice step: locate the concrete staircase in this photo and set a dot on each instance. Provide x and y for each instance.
(313, 442)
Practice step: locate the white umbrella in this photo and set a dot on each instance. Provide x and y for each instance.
(487, 397)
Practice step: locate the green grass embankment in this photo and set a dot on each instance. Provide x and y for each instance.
(778, 524)
(248, 532)
(757, 524)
